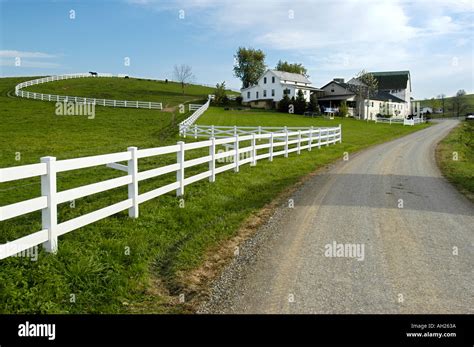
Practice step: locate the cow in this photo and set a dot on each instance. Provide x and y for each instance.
(93, 73)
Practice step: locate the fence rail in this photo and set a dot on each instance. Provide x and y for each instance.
(403, 121)
(276, 144)
(183, 126)
(219, 131)
(64, 98)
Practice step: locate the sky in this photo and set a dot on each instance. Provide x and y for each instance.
(332, 39)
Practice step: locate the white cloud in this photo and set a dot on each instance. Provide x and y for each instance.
(341, 37)
(23, 54)
(24, 59)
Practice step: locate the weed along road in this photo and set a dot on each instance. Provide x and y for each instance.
(382, 232)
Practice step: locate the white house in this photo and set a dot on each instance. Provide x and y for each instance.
(271, 87)
(354, 94)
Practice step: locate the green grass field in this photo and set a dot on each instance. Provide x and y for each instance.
(170, 94)
(455, 156)
(166, 241)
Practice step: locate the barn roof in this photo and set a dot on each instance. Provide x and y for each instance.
(391, 79)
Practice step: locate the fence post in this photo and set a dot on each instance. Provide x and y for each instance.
(49, 215)
(271, 147)
(195, 131)
(286, 142)
(235, 130)
(133, 187)
(319, 138)
(212, 162)
(327, 137)
(212, 130)
(254, 152)
(340, 133)
(180, 171)
(125, 103)
(298, 151)
(236, 154)
(260, 132)
(310, 140)
(149, 105)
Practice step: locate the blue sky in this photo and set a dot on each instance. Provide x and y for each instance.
(337, 38)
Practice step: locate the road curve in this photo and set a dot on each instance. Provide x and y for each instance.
(416, 229)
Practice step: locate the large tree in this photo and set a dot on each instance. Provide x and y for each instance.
(183, 74)
(369, 87)
(459, 102)
(291, 67)
(249, 65)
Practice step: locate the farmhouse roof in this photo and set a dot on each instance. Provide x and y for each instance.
(384, 96)
(391, 79)
(290, 76)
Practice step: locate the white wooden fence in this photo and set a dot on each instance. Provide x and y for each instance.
(191, 119)
(389, 120)
(219, 131)
(64, 98)
(413, 121)
(49, 167)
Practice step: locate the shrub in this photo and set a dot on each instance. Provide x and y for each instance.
(283, 104)
(343, 109)
(300, 103)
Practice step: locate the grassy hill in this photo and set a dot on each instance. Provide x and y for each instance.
(468, 100)
(166, 242)
(170, 94)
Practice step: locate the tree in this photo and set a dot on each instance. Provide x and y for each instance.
(284, 103)
(459, 102)
(369, 87)
(300, 103)
(220, 93)
(434, 104)
(183, 74)
(313, 105)
(249, 65)
(442, 97)
(294, 68)
(343, 109)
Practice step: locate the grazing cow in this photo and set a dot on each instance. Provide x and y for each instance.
(93, 73)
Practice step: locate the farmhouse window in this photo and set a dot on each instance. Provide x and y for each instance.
(273, 92)
(248, 95)
(264, 80)
(256, 95)
(332, 90)
(265, 93)
(286, 91)
(273, 79)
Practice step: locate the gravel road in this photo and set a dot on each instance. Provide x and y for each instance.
(400, 239)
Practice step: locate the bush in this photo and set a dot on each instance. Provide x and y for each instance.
(238, 100)
(283, 104)
(313, 105)
(343, 109)
(300, 103)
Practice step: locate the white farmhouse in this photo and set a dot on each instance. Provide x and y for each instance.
(271, 87)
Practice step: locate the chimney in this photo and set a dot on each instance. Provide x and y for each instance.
(339, 80)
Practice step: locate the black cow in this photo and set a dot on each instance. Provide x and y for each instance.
(93, 73)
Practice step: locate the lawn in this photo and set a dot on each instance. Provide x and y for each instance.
(93, 264)
(455, 156)
(170, 94)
